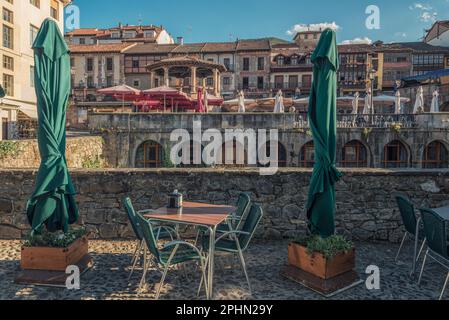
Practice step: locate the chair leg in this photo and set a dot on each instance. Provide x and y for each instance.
(400, 248)
(136, 259)
(203, 279)
(135, 254)
(422, 269)
(421, 250)
(444, 287)
(145, 269)
(242, 261)
(161, 284)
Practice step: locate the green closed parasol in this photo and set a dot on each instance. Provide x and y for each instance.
(323, 122)
(53, 202)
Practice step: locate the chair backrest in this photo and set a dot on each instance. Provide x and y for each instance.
(435, 232)
(250, 225)
(407, 211)
(132, 216)
(148, 235)
(243, 206)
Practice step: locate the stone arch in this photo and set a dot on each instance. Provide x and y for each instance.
(149, 154)
(307, 155)
(396, 154)
(355, 154)
(282, 153)
(435, 155)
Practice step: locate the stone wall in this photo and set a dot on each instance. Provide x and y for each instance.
(81, 152)
(365, 207)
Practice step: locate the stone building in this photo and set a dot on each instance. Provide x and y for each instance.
(96, 66)
(21, 23)
(119, 34)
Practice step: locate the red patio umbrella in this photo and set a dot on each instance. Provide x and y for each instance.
(214, 101)
(122, 92)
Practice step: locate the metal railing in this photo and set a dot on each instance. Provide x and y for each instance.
(397, 121)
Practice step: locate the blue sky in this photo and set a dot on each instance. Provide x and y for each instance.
(224, 20)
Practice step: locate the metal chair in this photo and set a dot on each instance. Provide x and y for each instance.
(162, 232)
(412, 226)
(239, 216)
(237, 241)
(171, 254)
(435, 230)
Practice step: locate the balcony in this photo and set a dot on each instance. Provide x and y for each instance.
(290, 86)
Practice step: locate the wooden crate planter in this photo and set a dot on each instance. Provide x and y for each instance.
(317, 264)
(54, 259)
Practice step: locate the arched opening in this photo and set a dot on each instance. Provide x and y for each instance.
(307, 155)
(231, 157)
(282, 154)
(354, 155)
(435, 156)
(150, 154)
(395, 155)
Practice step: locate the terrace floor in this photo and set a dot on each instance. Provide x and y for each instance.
(108, 278)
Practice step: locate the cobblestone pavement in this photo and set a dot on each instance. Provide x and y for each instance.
(108, 278)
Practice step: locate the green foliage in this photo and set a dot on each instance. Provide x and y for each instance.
(366, 132)
(56, 239)
(166, 162)
(329, 247)
(8, 149)
(396, 127)
(92, 162)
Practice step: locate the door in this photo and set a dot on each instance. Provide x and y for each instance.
(293, 82)
(279, 82)
(4, 128)
(307, 81)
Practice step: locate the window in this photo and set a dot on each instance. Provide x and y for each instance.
(260, 63)
(307, 155)
(82, 41)
(354, 155)
(8, 84)
(72, 62)
(33, 34)
(210, 82)
(280, 60)
(136, 64)
(54, 9)
(395, 155)
(32, 76)
(149, 155)
(8, 63)
(109, 64)
(245, 81)
(8, 37)
(227, 63)
(8, 15)
(245, 64)
(293, 82)
(90, 82)
(109, 81)
(90, 64)
(435, 156)
(279, 82)
(294, 60)
(136, 83)
(260, 83)
(36, 3)
(226, 81)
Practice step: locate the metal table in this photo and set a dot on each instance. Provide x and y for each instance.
(199, 215)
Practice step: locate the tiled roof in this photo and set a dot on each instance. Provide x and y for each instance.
(84, 32)
(99, 48)
(423, 47)
(189, 48)
(355, 48)
(253, 45)
(219, 47)
(151, 48)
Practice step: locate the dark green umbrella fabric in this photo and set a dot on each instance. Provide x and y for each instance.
(53, 202)
(323, 119)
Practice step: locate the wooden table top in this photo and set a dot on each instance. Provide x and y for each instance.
(196, 213)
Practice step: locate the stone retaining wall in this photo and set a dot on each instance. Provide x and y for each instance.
(366, 208)
(81, 152)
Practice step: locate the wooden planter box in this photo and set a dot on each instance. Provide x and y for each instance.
(317, 264)
(54, 259)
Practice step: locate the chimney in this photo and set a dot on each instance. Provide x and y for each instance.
(180, 40)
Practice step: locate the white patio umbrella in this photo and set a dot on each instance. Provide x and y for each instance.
(241, 99)
(398, 103)
(435, 107)
(355, 104)
(419, 103)
(279, 104)
(367, 108)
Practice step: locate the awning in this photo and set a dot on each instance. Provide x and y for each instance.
(30, 113)
(429, 76)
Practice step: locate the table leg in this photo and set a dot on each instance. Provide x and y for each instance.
(211, 261)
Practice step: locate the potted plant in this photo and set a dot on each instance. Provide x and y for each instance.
(323, 258)
(54, 251)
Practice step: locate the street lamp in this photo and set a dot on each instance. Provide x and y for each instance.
(372, 77)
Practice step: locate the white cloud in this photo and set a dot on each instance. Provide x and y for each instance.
(312, 27)
(364, 40)
(427, 13)
(401, 34)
